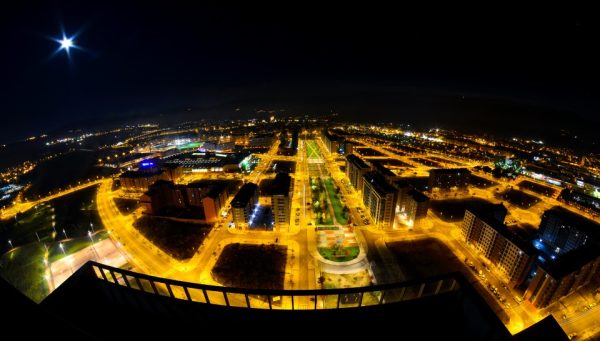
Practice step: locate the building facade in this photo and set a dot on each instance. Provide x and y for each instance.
(504, 249)
(562, 232)
(356, 168)
(281, 201)
(244, 203)
(380, 199)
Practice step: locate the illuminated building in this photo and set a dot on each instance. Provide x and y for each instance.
(563, 231)
(569, 259)
(413, 206)
(555, 278)
(380, 198)
(204, 199)
(244, 203)
(356, 168)
(261, 141)
(140, 180)
(483, 227)
(449, 178)
(281, 200)
(332, 142)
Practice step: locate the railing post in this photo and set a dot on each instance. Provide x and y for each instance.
(139, 283)
(292, 301)
(270, 304)
(453, 284)
(153, 286)
(112, 274)
(126, 280)
(103, 274)
(402, 293)
(247, 300)
(439, 285)
(381, 298)
(206, 296)
(169, 289)
(421, 290)
(187, 293)
(360, 298)
(338, 302)
(225, 297)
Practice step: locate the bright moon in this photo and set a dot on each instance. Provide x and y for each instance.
(66, 43)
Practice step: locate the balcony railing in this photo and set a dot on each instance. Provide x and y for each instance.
(278, 299)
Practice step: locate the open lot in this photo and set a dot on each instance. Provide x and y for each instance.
(251, 266)
(424, 258)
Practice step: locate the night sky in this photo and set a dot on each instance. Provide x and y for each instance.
(389, 64)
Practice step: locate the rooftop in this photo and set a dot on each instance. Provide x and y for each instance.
(244, 195)
(449, 171)
(358, 162)
(140, 174)
(382, 169)
(418, 196)
(281, 185)
(379, 184)
(570, 261)
(587, 226)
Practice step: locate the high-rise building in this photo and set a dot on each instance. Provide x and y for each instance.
(356, 168)
(564, 231)
(569, 259)
(389, 176)
(380, 198)
(555, 278)
(281, 200)
(449, 178)
(244, 203)
(332, 142)
(512, 255)
(203, 198)
(415, 206)
(140, 180)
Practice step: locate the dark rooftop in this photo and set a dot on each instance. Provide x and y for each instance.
(418, 196)
(243, 196)
(448, 170)
(139, 174)
(281, 185)
(358, 162)
(587, 226)
(379, 183)
(571, 261)
(382, 169)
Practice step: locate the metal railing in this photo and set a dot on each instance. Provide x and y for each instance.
(278, 299)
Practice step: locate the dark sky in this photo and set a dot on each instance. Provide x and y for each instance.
(140, 57)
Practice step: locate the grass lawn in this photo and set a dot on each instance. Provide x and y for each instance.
(312, 150)
(342, 255)
(251, 266)
(22, 230)
(73, 245)
(338, 207)
(24, 268)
